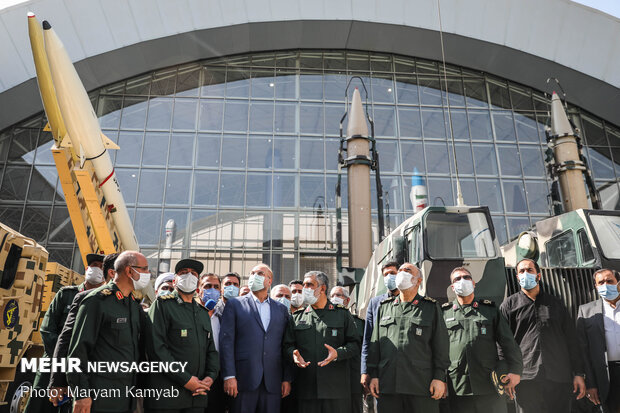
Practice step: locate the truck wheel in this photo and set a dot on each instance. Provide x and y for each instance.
(17, 395)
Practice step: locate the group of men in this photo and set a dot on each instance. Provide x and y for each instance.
(297, 348)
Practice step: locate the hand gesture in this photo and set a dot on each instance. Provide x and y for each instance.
(437, 389)
(196, 386)
(286, 388)
(332, 355)
(374, 388)
(592, 395)
(510, 382)
(230, 387)
(579, 385)
(83, 405)
(299, 360)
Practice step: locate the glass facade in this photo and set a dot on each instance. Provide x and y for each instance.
(241, 152)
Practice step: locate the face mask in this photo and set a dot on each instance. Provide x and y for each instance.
(231, 291)
(143, 281)
(163, 292)
(390, 282)
(284, 302)
(337, 301)
(309, 296)
(256, 282)
(527, 280)
(608, 292)
(297, 300)
(463, 287)
(404, 280)
(94, 275)
(210, 294)
(187, 283)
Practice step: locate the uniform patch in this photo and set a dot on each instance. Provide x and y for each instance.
(121, 320)
(183, 333)
(385, 317)
(415, 302)
(119, 295)
(331, 307)
(450, 319)
(418, 331)
(483, 330)
(302, 322)
(106, 291)
(475, 305)
(10, 314)
(334, 332)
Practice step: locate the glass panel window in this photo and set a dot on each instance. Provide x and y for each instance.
(311, 118)
(148, 226)
(181, 150)
(260, 151)
(532, 161)
(460, 129)
(263, 84)
(484, 157)
(476, 93)
(333, 114)
(585, 248)
(454, 235)
(332, 145)
(237, 83)
(43, 183)
(561, 250)
(527, 128)
(233, 151)
(464, 158)
(607, 230)
(213, 82)
(537, 193)
(160, 113)
(236, 116)
(261, 117)
(500, 228)
(440, 192)
(61, 229)
(286, 85)
(334, 85)
(312, 155)
(284, 190)
(412, 157)
(232, 189)
(24, 145)
(205, 188)
(455, 92)
(468, 189)
(490, 193)
(480, 125)
(128, 181)
(437, 158)
(409, 122)
(312, 190)
(134, 113)
(407, 89)
(211, 114)
(15, 183)
(388, 155)
(185, 114)
(517, 225)
(178, 184)
(259, 192)
(600, 162)
(285, 153)
(509, 160)
(151, 189)
(514, 196)
(188, 80)
(433, 124)
(286, 118)
(311, 86)
(385, 121)
(430, 91)
(208, 150)
(155, 151)
(109, 111)
(382, 89)
(504, 126)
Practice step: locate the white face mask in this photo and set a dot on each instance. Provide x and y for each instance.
(94, 275)
(337, 301)
(256, 282)
(297, 300)
(310, 296)
(463, 287)
(187, 283)
(404, 280)
(143, 281)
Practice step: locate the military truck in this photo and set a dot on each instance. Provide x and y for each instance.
(583, 238)
(28, 283)
(438, 239)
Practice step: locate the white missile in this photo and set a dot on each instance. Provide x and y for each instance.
(84, 131)
(418, 194)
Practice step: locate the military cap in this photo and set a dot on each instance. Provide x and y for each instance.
(189, 263)
(90, 258)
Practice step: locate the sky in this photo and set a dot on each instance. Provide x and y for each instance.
(607, 6)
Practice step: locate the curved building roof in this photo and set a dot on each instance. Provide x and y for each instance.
(526, 41)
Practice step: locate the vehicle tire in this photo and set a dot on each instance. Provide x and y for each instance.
(15, 397)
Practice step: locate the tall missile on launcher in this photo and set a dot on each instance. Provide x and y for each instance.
(418, 195)
(358, 150)
(570, 168)
(83, 129)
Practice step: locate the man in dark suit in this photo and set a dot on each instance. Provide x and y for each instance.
(251, 333)
(598, 327)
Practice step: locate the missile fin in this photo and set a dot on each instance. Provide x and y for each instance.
(82, 156)
(47, 127)
(108, 143)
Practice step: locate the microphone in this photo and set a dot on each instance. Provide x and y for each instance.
(210, 304)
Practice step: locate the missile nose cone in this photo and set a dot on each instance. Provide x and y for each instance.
(357, 120)
(30, 14)
(560, 125)
(46, 25)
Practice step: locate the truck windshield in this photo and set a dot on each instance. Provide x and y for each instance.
(454, 235)
(607, 228)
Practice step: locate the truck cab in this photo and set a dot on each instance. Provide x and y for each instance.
(437, 240)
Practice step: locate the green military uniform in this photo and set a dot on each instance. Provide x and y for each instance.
(475, 330)
(322, 389)
(180, 331)
(408, 349)
(355, 368)
(51, 326)
(109, 327)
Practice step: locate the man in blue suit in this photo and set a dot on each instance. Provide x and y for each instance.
(251, 333)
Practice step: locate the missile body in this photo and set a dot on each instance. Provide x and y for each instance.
(360, 228)
(83, 128)
(44, 78)
(166, 254)
(566, 153)
(418, 194)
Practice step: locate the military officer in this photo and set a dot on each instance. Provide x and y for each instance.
(180, 330)
(340, 295)
(54, 320)
(408, 353)
(476, 328)
(319, 340)
(109, 327)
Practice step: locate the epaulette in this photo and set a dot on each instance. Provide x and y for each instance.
(487, 302)
(388, 299)
(432, 300)
(70, 287)
(341, 306)
(447, 305)
(166, 297)
(299, 310)
(106, 292)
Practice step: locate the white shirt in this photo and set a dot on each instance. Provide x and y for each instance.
(215, 326)
(264, 310)
(611, 320)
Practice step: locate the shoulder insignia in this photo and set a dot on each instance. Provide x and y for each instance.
(487, 302)
(119, 295)
(331, 307)
(447, 305)
(415, 302)
(308, 309)
(165, 297)
(106, 291)
(133, 297)
(388, 299)
(432, 300)
(475, 304)
(299, 310)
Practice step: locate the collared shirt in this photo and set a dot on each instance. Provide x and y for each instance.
(546, 334)
(263, 310)
(612, 330)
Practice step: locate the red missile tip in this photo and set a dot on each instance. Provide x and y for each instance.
(30, 14)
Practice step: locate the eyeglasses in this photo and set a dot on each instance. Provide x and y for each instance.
(461, 277)
(145, 268)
